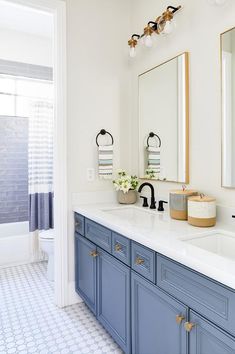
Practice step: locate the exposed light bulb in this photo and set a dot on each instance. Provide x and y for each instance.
(132, 52)
(148, 41)
(169, 27)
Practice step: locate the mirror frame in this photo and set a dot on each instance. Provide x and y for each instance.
(186, 54)
(221, 106)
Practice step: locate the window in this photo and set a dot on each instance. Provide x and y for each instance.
(16, 93)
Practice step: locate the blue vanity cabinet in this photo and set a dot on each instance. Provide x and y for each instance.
(113, 307)
(79, 224)
(205, 296)
(143, 261)
(98, 234)
(157, 320)
(85, 271)
(206, 338)
(149, 303)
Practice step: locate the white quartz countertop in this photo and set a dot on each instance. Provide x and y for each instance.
(165, 236)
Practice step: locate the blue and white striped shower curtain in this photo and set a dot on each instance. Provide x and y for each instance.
(41, 165)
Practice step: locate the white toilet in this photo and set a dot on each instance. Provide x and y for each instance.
(46, 240)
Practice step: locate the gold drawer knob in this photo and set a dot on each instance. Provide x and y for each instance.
(118, 247)
(93, 254)
(139, 261)
(179, 319)
(188, 326)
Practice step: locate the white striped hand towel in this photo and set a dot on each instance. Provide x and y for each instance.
(105, 161)
(154, 159)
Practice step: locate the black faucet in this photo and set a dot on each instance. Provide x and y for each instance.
(153, 202)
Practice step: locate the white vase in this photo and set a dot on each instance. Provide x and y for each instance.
(127, 198)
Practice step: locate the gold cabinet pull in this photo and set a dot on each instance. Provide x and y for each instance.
(94, 254)
(179, 319)
(188, 326)
(118, 247)
(139, 261)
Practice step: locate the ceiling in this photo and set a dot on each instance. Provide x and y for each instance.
(25, 19)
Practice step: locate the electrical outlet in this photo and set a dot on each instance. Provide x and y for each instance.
(90, 173)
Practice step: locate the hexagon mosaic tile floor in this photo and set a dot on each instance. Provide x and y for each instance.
(31, 323)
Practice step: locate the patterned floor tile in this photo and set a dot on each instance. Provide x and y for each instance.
(31, 323)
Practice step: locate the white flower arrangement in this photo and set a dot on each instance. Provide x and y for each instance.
(125, 182)
(150, 174)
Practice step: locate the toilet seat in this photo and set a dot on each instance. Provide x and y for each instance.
(47, 234)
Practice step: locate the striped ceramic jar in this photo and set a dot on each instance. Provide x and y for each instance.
(179, 203)
(202, 211)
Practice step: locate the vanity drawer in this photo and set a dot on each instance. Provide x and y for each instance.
(143, 261)
(79, 224)
(121, 248)
(213, 300)
(98, 234)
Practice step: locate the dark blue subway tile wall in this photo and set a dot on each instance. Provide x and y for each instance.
(13, 169)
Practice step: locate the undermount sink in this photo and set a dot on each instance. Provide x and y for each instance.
(135, 215)
(129, 212)
(218, 242)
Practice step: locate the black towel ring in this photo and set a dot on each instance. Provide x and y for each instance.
(152, 135)
(103, 132)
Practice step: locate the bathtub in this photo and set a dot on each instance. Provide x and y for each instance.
(17, 245)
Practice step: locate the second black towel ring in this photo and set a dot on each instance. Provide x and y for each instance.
(103, 132)
(152, 135)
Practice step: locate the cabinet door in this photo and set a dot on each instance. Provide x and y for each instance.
(114, 298)
(85, 270)
(154, 314)
(206, 338)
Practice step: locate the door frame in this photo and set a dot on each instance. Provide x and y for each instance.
(58, 9)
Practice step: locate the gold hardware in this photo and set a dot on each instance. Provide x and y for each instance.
(77, 223)
(118, 247)
(94, 254)
(167, 15)
(132, 43)
(139, 261)
(148, 31)
(179, 319)
(189, 326)
(157, 21)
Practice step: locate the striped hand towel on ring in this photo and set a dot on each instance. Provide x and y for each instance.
(154, 159)
(105, 161)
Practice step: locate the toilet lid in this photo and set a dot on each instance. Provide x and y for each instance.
(47, 234)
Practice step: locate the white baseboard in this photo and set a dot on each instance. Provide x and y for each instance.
(73, 297)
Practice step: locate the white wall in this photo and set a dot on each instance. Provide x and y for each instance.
(98, 93)
(198, 31)
(26, 48)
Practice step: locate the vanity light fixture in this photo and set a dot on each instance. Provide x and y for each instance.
(164, 24)
(148, 31)
(132, 44)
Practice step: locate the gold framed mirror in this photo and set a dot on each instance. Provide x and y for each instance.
(164, 121)
(227, 59)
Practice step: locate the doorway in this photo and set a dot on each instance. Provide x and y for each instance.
(56, 12)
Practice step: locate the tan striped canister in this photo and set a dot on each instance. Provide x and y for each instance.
(202, 211)
(179, 203)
